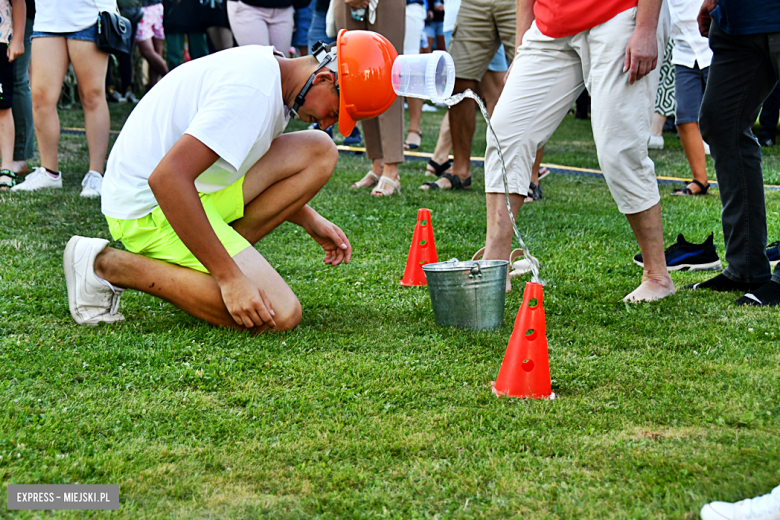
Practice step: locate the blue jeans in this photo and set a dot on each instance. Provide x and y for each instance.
(743, 73)
(87, 35)
(317, 29)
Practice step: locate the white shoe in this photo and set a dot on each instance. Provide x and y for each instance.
(92, 184)
(765, 507)
(38, 180)
(656, 142)
(129, 97)
(92, 300)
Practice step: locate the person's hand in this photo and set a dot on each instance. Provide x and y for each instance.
(332, 239)
(641, 55)
(704, 19)
(247, 303)
(438, 7)
(429, 15)
(15, 49)
(356, 4)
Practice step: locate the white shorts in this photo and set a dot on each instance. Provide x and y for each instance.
(547, 77)
(415, 24)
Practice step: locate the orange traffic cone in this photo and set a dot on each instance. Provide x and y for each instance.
(525, 371)
(422, 251)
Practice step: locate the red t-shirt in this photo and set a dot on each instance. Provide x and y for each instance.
(559, 18)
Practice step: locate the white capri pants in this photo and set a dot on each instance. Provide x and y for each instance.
(547, 76)
(415, 25)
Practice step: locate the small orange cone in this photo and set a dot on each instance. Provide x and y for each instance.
(525, 371)
(422, 251)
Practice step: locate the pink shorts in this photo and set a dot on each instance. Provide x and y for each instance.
(151, 25)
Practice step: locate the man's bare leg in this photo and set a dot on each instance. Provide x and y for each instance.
(462, 123)
(498, 243)
(693, 146)
(648, 230)
(278, 186)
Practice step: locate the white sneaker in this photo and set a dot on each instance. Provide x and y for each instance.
(656, 142)
(765, 507)
(92, 300)
(92, 184)
(129, 97)
(38, 180)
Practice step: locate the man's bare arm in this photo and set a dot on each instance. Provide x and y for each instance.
(173, 185)
(642, 48)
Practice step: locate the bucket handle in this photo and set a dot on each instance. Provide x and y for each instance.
(475, 272)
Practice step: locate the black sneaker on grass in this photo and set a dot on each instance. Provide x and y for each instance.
(684, 256)
(773, 252)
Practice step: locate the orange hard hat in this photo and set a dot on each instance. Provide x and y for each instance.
(365, 64)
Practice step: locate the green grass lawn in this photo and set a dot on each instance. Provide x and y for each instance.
(369, 410)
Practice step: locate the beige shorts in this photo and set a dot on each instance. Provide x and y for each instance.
(547, 77)
(480, 29)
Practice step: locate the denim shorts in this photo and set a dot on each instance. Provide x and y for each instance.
(87, 35)
(434, 29)
(302, 18)
(689, 85)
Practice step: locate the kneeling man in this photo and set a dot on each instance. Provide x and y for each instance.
(201, 172)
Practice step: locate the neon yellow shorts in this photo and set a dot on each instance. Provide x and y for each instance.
(152, 235)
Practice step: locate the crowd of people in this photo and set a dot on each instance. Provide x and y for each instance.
(203, 170)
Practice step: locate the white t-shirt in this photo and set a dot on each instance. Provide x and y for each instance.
(64, 16)
(231, 101)
(690, 47)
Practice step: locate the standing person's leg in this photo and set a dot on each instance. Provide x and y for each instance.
(6, 118)
(741, 77)
(157, 65)
(49, 64)
(221, 37)
(415, 24)
(543, 83)
(248, 23)
(621, 123)
(175, 50)
(280, 28)
(24, 143)
(391, 23)
(198, 45)
(317, 29)
(689, 86)
(90, 64)
(770, 113)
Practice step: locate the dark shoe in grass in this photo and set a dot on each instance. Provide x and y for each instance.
(684, 256)
(773, 253)
(722, 284)
(768, 295)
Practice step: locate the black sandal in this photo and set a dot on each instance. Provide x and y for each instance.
(5, 185)
(456, 183)
(439, 169)
(687, 191)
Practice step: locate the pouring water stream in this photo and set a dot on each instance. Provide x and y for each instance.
(454, 100)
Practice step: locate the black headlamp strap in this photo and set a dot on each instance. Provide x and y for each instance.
(326, 59)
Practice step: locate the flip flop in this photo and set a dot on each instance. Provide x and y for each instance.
(456, 183)
(371, 175)
(381, 191)
(687, 191)
(438, 169)
(518, 265)
(412, 146)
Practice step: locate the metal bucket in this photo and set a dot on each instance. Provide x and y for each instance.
(468, 295)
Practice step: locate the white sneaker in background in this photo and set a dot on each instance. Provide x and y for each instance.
(764, 507)
(39, 179)
(656, 142)
(706, 149)
(92, 184)
(129, 97)
(91, 299)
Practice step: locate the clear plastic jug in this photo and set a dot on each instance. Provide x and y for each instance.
(427, 76)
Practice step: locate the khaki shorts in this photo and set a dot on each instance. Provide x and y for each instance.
(153, 236)
(480, 29)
